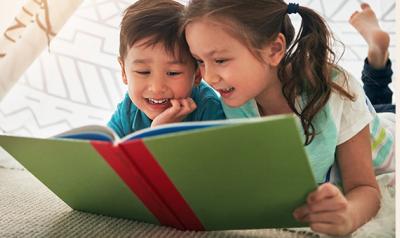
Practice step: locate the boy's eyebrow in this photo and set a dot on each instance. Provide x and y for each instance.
(141, 61)
(175, 62)
(146, 61)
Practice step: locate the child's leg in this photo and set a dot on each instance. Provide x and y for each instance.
(376, 88)
(377, 72)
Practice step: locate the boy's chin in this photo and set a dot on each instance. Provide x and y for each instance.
(152, 115)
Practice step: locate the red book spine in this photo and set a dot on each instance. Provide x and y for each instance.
(142, 158)
(138, 184)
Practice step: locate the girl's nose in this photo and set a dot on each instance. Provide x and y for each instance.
(210, 76)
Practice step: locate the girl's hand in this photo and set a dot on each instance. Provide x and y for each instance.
(179, 109)
(327, 211)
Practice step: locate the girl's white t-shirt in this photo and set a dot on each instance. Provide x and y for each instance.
(339, 120)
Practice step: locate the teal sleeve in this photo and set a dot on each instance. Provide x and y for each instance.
(115, 122)
(122, 119)
(210, 109)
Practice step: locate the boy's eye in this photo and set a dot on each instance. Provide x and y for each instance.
(142, 72)
(173, 73)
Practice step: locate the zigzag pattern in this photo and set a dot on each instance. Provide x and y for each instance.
(77, 81)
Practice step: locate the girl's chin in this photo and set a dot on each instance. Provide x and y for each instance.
(232, 103)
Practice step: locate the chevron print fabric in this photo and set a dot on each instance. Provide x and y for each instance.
(77, 80)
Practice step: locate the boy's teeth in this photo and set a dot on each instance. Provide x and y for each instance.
(157, 101)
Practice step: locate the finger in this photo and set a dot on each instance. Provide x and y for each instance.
(171, 111)
(330, 229)
(185, 104)
(325, 228)
(175, 105)
(192, 104)
(301, 212)
(324, 191)
(324, 217)
(186, 108)
(329, 204)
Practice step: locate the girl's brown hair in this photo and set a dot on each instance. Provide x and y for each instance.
(309, 62)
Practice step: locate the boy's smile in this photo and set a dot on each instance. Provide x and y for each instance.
(154, 77)
(158, 101)
(158, 104)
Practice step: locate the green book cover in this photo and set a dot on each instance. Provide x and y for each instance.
(236, 174)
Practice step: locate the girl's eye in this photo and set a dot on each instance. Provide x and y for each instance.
(142, 72)
(173, 73)
(220, 61)
(199, 62)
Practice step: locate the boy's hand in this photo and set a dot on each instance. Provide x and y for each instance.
(327, 211)
(179, 109)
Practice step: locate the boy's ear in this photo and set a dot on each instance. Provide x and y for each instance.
(122, 64)
(197, 77)
(274, 51)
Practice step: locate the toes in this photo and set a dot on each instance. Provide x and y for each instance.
(354, 13)
(365, 6)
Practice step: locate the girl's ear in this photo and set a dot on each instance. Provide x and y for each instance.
(122, 64)
(274, 51)
(197, 77)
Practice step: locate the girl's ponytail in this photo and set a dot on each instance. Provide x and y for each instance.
(306, 68)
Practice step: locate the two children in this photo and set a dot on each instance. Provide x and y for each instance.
(246, 50)
(164, 84)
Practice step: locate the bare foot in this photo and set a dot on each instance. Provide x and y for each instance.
(367, 25)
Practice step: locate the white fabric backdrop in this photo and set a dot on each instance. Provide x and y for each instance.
(32, 28)
(77, 81)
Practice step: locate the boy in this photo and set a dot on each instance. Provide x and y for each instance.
(164, 83)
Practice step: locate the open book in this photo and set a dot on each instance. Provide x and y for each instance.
(219, 175)
(102, 133)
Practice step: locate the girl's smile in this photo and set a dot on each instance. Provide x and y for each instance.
(228, 65)
(226, 92)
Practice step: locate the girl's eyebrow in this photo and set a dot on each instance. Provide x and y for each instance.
(212, 53)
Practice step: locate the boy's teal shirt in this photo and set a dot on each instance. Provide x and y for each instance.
(128, 118)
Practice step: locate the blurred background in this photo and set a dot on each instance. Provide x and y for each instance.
(77, 80)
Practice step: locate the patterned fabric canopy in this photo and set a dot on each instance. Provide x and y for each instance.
(77, 80)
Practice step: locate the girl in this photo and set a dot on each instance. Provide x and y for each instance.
(246, 50)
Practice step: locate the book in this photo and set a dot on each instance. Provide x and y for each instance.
(218, 175)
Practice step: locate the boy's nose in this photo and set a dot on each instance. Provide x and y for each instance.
(157, 85)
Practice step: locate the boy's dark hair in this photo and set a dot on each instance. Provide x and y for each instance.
(157, 20)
